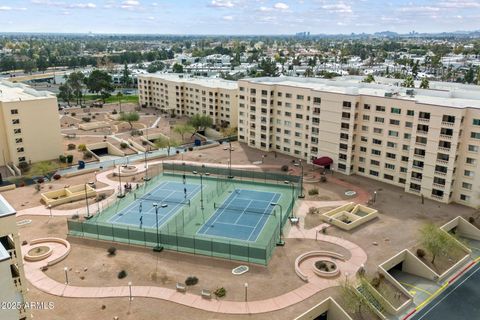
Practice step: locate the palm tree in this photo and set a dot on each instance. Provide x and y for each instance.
(408, 82)
(424, 84)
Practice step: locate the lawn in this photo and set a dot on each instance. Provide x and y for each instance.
(112, 99)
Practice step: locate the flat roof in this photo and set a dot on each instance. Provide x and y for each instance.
(12, 91)
(440, 93)
(5, 208)
(185, 78)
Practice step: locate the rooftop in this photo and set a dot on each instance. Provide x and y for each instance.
(440, 93)
(5, 208)
(10, 91)
(206, 82)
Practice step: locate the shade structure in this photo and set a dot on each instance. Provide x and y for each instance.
(323, 161)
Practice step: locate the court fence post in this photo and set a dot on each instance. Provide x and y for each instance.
(113, 235)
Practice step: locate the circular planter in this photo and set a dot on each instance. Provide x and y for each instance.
(38, 253)
(128, 171)
(329, 271)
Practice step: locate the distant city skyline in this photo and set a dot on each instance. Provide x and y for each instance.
(238, 17)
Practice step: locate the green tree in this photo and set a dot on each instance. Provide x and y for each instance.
(164, 142)
(99, 82)
(353, 301)
(76, 82)
(126, 79)
(369, 79)
(42, 168)
(425, 84)
(177, 68)
(155, 66)
(308, 73)
(183, 129)
(436, 241)
(200, 121)
(470, 75)
(409, 82)
(65, 93)
(119, 97)
(129, 117)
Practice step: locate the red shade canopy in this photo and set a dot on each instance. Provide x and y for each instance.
(323, 161)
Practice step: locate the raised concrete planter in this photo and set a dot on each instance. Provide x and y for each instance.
(33, 258)
(326, 274)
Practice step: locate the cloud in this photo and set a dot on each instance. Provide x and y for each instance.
(281, 6)
(339, 7)
(88, 5)
(130, 4)
(227, 18)
(7, 8)
(221, 4)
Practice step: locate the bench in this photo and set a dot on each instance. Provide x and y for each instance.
(294, 220)
(206, 294)
(181, 287)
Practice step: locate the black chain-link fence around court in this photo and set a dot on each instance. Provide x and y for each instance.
(174, 235)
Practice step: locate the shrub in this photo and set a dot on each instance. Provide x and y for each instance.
(375, 282)
(144, 143)
(56, 176)
(471, 220)
(87, 155)
(24, 166)
(86, 119)
(421, 253)
(75, 216)
(190, 148)
(123, 145)
(284, 168)
(312, 210)
(114, 111)
(112, 251)
(69, 158)
(62, 158)
(24, 242)
(93, 117)
(40, 180)
(82, 147)
(191, 281)
(122, 274)
(220, 292)
(71, 146)
(100, 197)
(313, 192)
(73, 114)
(323, 179)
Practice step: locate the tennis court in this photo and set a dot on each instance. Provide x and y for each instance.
(169, 196)
(241, 216)
(460, 301)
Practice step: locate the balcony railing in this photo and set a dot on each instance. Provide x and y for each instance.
(439, 186)
(444, 136)
(437, 197)
(441, 173)
(423, 120)
(448, 124)
(414, 190)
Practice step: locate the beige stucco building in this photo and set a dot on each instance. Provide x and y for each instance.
(29, 125)
(425, 141)
(13, 286)
(187, 95)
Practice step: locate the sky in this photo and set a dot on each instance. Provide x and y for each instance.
(236, 17)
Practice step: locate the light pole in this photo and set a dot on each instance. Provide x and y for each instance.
(300, 164)
(50, 208)
(374, 196)
(120, 194)
(201, 188)
(157, 248)
(230, 176)
(86, 201)
(146, 178)
(293, 190)
(66, 274)
(130, 289)
(280, 241)
(246, 291)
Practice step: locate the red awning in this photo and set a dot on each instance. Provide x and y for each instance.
(323, 161)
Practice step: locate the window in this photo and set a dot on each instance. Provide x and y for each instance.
(441, 169)
(15, 121)
(391, 144)
(288, 95)
(374, 173)
(476, 122)
(439, 181)
(418, 163)
(391, 155)
(404, 159)
(407, 136)
(475, 135)
(366, 117)
(449, 119)
(395, 110)
(17, 131)
(361, 169)
(363, 149)
(374, 163)
(408, 124)
(22, 159)
(18, 140)
(473, 148)
(395, 122)
(466, 185)
(402, 180)
(379, 119)
(464, 197)
(317, 100)
(363, 139)
(364, 128)
(410, 113)
(377, 130)
(366, 106)
(20, 149)
(380, 108)
(389, 166)
(403, 169)
(376, 141)
(405, 147)
(347, 104)
(471, 161)
(376, 152)
(299, 97)
(392, 133)
(14, 111)
(468, 173)
(424, 115)
(388, 177)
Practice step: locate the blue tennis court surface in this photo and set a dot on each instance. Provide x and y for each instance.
(170, 193)
(241, 216)
(460, 301)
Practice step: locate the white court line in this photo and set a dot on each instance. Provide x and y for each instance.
(259, 220)
(455, 288)
(218, 214)
(241, 214)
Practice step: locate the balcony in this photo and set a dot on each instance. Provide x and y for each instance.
(434, 196)
(414, 190)
(441, 173)
(444, 162)
(421, 156)
(444, 136)
(448, 124)
(413, 179)
(420, 144)
(444, 149)
(425, 133)
(439, 186)
(423, 120)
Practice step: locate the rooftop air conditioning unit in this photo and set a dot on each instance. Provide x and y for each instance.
(388, 94)
(410, 92)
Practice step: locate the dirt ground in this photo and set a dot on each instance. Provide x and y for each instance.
(380, 238)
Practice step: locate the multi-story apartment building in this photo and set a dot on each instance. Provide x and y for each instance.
(13, 286)
(29, 125)
(187, 95)
(425, 141)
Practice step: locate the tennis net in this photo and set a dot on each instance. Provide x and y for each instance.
(160, 200)
(265, 211)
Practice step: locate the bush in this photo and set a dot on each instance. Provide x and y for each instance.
(112, 251)
(73, 114)
(375, 282)
(312, 210)
(62, 158)
(144, 143)
(69, 158)
(284, 168)
(190, 148)
(100, 197)
(24, 166)
(87, 155)
(75, 216)
(71, 146)
(313, 192)
(114, 111)
(56, 176)
(421, 253)
(191, 281)
(122, 274)
(82, 147)
(123, 145)
(93, 117)
(220, 292)
(40, 180)
(471, 220)
(86, 119)
(323, 179)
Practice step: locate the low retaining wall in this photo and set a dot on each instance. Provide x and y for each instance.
(56, 240)
(67, 195)
(349, 211)
(8, 187)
